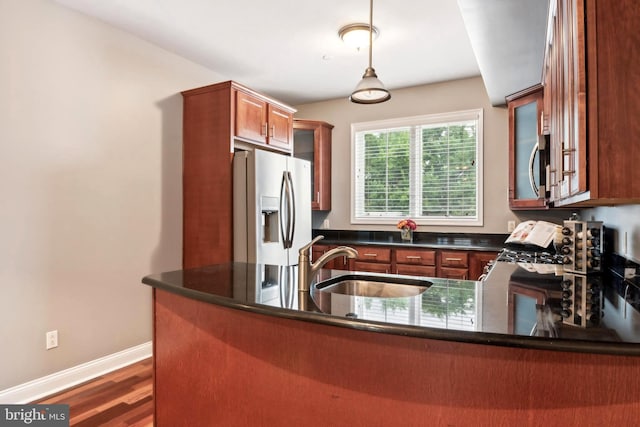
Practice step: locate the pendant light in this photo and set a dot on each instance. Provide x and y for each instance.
(370, 90)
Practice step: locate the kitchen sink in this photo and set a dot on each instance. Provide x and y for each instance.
(373, 286)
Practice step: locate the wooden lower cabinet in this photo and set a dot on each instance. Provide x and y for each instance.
(478, 261)
(340, 263)
(415, 262)
(373, 259)
(454, 273)
(448, 264)
(371, 267)
(416, 270)
(453, 265)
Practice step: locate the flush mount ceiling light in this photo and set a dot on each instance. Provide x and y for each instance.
(370, 90)
(356, 35)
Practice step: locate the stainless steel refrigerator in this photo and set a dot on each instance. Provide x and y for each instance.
(271, 207)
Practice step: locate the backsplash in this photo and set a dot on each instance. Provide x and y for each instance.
(489, 241)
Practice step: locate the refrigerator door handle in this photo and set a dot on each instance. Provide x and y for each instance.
(292, 210)
(285, 210)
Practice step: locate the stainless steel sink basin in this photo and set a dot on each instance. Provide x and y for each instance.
(373, 286)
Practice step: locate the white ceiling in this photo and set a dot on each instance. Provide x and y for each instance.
(291, 50)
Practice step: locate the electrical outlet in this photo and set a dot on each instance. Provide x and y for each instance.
(325, 224)
(52, 339)
(511, 225)
(629, 273)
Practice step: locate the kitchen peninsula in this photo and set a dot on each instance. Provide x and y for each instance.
(231, 348)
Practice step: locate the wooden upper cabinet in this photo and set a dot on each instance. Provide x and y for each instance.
(527, 150)
(312, 142)
(263, 121)
(591, 80)
(280, 127)
(215, 119)
(251, 118)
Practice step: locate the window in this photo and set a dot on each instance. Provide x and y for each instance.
(428, 168)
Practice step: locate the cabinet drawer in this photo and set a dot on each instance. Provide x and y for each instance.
(454, 259)
(454, 273)
(416, 270)
(372, 267)
(373, 254)
(412, 256)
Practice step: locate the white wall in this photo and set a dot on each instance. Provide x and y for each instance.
(450, 96)
(90, 180)
(625, 223)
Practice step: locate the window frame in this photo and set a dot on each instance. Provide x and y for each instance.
(427, 119)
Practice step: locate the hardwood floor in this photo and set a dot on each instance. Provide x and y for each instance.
(119, 398)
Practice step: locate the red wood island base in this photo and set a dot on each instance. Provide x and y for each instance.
(216, 366)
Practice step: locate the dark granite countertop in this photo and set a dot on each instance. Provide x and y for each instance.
(488, 312)
(458, 241)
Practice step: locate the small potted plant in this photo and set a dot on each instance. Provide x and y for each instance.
(407, 226)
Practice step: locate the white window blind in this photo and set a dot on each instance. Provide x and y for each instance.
(427, 168)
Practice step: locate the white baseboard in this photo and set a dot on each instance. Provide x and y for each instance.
(58, 381)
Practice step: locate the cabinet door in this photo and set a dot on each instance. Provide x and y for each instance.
(312, 142)
(568, 124)
(454, 259)
(251, 118)
(527, 152)
(415, 257)
(454, 273)
(416, 270)
(317, 251)
(280, 127)
(373, 254)
(477, 263)
(372, 267)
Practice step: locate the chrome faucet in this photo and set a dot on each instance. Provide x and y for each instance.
(307, 270)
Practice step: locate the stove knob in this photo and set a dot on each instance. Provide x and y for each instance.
(565, 250)
(566, 303)
(566, 313)
(566, 241)
(566, 284)
(566, 231)
(567, 294)
(566, 260)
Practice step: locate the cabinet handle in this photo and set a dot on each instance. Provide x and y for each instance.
(373, 255)
(569, 172)
(273, 131)
(413, 257)
(453, 259)
(263, 131)
(318, 197)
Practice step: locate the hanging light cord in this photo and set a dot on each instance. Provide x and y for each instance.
(370, 32)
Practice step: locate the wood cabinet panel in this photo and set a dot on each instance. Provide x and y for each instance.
(415, 256)
(527, 150)
(453, 273)
(373, 253)
(454, 259)
(214, 117)
(592, 81)
(251, 118)
(260, 120)
(478, 261)
(312, 142)
(372, 267)
(280, 127)
(416, 270)
(457, 384)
